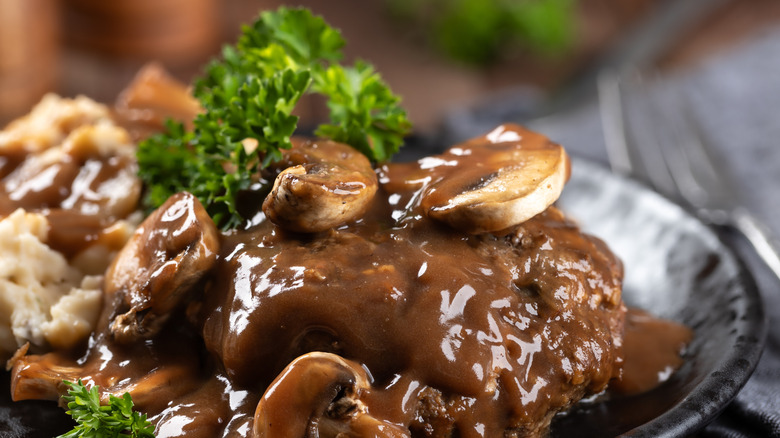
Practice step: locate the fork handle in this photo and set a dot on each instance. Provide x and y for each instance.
(760, 237)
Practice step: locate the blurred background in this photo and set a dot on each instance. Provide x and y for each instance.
(461, 67)
(439, 55)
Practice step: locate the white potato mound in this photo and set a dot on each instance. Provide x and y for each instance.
(50, 122)
(43, 300)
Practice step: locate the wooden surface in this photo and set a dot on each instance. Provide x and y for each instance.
(29, 53)
(101, 64)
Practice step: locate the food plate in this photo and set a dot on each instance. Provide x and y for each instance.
(676, 268)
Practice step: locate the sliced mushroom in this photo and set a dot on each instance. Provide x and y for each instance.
(495, 182)
(170, 252)
(319, 395)
(40, 377)
(154, 391)
(324, 184)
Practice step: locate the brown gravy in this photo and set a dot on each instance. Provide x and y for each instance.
(653, 350)
(460, 335)
(81, 196)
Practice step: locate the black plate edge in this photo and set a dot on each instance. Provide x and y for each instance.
(686, 414)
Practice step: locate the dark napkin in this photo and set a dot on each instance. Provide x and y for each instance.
(736, 98)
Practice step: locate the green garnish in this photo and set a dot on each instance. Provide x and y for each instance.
(117, 419)
(478, 32)
(363, 111)
(251, 94)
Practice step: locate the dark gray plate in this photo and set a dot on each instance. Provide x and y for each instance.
(676, 268)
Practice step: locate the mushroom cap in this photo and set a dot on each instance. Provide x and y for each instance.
(493, 186)
(324, 185)
(170, 252)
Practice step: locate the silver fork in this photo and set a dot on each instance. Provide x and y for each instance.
(672, 156)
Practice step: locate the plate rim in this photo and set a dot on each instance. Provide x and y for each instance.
(689, 415)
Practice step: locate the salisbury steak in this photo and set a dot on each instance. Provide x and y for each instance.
(446, 298)
(463, 334)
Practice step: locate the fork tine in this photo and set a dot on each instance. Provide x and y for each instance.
(710, 170)
(613, 122)
(668, 145)
(692, 165)
(633, 146)
(649, 141)
(677, 157)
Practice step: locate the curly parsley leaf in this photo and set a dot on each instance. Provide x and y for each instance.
(164, 161)
(364, 112)
(261, 110)
(304, 37)
(117, 419)
(251, 94)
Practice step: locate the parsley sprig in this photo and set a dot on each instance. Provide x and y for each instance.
(117, 419)
(364, 112)
(250, 94)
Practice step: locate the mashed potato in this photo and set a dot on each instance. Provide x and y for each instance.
(50, 122)
(43, 300)
(68, 193)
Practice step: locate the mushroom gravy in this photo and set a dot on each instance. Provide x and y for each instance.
(393, 324)
(475, 335)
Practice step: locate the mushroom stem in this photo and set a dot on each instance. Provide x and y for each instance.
(40, 377)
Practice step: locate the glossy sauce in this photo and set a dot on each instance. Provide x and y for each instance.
(653, 350)
(81, 194)
(88, 186)
(460, 335)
